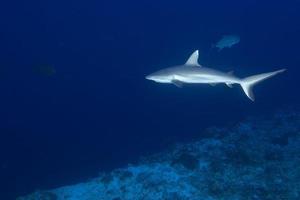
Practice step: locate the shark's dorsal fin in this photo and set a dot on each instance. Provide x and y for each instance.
(193, 59)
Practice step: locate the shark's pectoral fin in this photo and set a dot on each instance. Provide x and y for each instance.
(193, 59)
(229, 85)
(177, 83)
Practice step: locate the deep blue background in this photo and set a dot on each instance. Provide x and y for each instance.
(98, 112)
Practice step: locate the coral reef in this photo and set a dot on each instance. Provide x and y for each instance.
(258, 159)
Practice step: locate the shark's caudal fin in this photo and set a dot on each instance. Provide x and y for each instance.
(248, 82)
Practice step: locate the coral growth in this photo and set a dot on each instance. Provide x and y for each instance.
(257, 159)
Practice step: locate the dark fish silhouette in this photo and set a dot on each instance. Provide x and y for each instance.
(45, 70)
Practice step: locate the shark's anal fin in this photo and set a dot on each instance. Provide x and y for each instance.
(229, 85)
(193, 59)
(177, 83)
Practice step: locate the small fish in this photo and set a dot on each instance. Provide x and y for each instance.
(227, 41)
(45, 70)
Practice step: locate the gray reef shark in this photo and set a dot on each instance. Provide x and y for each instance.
(193, 72)
(227, 41)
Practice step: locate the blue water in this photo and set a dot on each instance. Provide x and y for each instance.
(97, 112)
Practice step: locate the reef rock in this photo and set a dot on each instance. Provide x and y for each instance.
(258, 159)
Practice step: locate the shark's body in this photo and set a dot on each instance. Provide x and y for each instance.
(193, 72)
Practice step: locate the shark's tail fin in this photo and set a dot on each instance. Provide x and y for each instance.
(248, 82)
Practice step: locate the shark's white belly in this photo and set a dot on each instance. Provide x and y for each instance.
(205, 78)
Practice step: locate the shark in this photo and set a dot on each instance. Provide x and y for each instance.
(191, 72)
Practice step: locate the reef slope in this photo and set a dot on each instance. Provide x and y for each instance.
(257, 159)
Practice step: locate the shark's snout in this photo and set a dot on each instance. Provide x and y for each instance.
(151, 77)
(148, 77)
(159, 77)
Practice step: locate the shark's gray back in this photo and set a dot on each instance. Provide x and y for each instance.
(188, 70)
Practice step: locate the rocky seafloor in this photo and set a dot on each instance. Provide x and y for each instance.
(257, 159)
